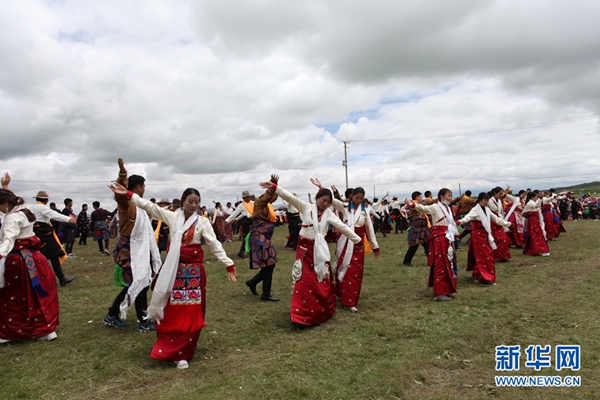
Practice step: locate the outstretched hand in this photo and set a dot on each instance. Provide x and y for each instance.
(266, 185)
(316, 182)
(274, 178)
(5, 180)
(117, 188)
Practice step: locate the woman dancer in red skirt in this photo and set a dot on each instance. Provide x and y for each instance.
(481, 246)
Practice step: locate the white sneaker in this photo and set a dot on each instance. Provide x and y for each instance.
(181, 364)
(50, 336)
(2, 341)
(545, 254)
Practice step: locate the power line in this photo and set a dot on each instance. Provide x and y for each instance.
(485, 131)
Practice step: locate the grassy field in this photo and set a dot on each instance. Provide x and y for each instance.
(590, 187)
(400, 345)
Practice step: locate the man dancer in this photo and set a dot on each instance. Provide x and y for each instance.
(51, 247)
(294, 223)
(419, 230)
(136, 238)
(243, 214)
(100, 227)
(68, 230)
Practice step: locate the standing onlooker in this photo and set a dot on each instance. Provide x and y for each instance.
(100, 227)
(83, 225)
(68, 229)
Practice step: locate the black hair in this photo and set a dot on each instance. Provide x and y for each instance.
(521, 192)
(349, 192)
(427, 193)
(530, 195)
(443, 192)
(414, 195)
(375, 199)
(152, 199)
(83, 205)
(467, 193)
(217, 204)
(135, 181)
(228, 203)
(497, 189)
(67, 201)
(482, 196)
(358, 190)
(188, 192)
(96, 204)
(8, 197)
(324, 192)
(45, 201)
(52, 204)
(552, 190)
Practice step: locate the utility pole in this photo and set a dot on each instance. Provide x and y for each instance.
(345, 162)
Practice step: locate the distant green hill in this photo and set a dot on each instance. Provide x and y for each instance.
(590, 187)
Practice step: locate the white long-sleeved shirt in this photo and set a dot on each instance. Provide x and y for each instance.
(473, 216)
(43, 213)
(290, 208)
(308, 231)
(203, 228)
(437, 215)
(363, 220)
(239, 213)
(15, 226)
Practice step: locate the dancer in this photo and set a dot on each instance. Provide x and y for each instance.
(243, 214)
(420, 227)
(99, 226)
(313, 296)
(136, 256)
(350, 257)
(294, 223)
(482, 245)
(464, 205)
(161, 229)
(442, 252)
(218, 222)
(515, 217)
(83, 225)
(27, 284)
(534, 234)
(50, 247)
(502, 252)
(178, 303)
(262, 254)
(67, 230)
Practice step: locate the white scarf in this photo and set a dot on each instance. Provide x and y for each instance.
(485, 221)
(166, 277)
(321, 253)
(513, 208)
(145, 258)
(452, 231)
(343, 241)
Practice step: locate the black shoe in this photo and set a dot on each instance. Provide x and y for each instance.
(268, 298)
(65, 281)
(252, 287)
(407, 264)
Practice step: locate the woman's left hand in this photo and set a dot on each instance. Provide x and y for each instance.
(5, 180)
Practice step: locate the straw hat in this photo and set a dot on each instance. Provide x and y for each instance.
(164, 200)
(42, 194)
(246, 193)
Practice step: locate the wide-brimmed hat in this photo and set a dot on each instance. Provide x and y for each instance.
(42, 194)
(246, 193)
(164, 200)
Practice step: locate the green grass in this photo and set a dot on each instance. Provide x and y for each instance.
(400, 345)
(590, 187)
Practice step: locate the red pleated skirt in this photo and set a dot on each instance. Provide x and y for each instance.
(534, 237)
(349, 288)
(29, 299)
(313, 302)
(481, 255)
(441, 275)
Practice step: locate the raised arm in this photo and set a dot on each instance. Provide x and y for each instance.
(287, 196)
(471, 216)
(235, 213)
(53, 215)
(499, 220)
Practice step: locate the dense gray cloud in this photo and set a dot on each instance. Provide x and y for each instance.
(217, 95)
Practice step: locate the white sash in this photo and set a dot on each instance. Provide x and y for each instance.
(166, 277)
(452, 231)
(321, 253)
(343, 241)
(485, 221)
(145, 258)
(512, 209)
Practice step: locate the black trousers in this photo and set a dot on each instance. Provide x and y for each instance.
(83, 235)
(294, 230)
(245, 224)
(100, 246)
(265, 275)
(69, 247)
(410, 253)
(141, 304)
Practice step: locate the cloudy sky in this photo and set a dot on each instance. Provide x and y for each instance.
(219, 94)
